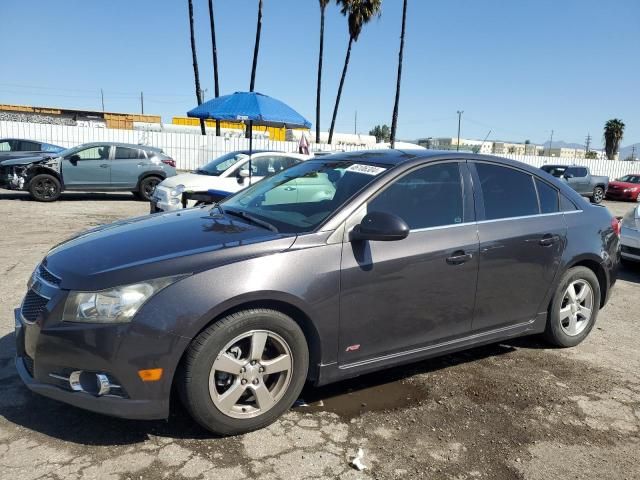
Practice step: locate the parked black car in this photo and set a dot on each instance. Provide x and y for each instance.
(404, 256)
(11, 148)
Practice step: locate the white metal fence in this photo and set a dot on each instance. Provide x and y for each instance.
(190, 151)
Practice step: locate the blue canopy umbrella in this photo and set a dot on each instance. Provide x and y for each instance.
(252, 107)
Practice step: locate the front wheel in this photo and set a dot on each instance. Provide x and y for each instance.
(244, 371)
(574, 308)
(44, 188)
(598, 195)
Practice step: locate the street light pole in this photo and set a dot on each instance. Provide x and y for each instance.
(460, 112)
(550, 142)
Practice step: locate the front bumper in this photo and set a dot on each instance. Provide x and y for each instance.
(621, 195)
(630, 244)
(48, 351)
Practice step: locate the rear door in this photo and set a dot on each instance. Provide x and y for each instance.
(522, 236)
(579, 179)
(88, 168)
(399, 297)
(126, 167)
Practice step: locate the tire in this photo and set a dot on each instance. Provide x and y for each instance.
(598, 195)
(146, 187)
(561, 329)
(45, 188)
(228, 343)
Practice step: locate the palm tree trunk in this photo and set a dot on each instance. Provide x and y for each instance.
(256, 48)
(215, 60)
(344, 74)
(394, 118)
(319, 89)
(195, 64)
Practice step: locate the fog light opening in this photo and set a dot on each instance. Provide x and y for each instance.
(97, 384)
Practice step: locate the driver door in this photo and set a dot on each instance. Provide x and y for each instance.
(88, 168)
(400, 297)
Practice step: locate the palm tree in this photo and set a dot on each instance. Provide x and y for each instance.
(215, 60)
(613, 132)
(195, 64)
(358, 12)
(323, 6)
(394, 117)
(256, 47)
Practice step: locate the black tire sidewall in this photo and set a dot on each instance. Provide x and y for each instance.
(194, 387)
(38, 178)
(554, 332)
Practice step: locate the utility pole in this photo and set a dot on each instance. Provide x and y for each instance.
(355, 123)
(633, 153)
(102, 98)
(550, 143)
(587, 143)
(460, 112)
(142, 102)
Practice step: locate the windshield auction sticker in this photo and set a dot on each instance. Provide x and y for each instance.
(366, 169)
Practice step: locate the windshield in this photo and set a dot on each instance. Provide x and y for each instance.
(69, 151)
(555, 170)
(300, 198)
(630, 179)
(218, 166)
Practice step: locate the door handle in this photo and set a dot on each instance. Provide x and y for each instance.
(104, 165)
(459, 257)
(547, 240)
(141, 164)
(289, 189)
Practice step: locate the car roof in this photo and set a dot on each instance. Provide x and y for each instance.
(118, 144)
(20, 140)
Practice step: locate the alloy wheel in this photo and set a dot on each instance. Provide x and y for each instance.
(45, 188)
(576, 307)
(598, 194)
(251, 374)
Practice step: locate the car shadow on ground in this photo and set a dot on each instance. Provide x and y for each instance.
(384, 390)
(71, 196)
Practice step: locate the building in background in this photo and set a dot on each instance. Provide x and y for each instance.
(451, 143)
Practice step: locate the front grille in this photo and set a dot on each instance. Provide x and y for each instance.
(28, 364)
(630, 250)
(47, 276)
(32, 305)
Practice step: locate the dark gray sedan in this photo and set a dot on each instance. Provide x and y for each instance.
(400, 256)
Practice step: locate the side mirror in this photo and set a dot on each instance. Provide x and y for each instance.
(380, 226)
(568, 175)
(74, 159)
(242, 174)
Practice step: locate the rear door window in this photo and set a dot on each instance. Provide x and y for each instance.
(125, 153)
(507, 192)
(548, 197)
(26, 146)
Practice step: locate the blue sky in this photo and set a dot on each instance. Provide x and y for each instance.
(517, 68)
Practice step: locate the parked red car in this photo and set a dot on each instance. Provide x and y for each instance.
(625, 188)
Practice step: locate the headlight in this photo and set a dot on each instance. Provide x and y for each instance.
(177, 190)
(116, 305)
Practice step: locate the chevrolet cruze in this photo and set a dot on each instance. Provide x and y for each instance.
(397, 257)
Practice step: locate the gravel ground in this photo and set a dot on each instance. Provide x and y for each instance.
(512, 410)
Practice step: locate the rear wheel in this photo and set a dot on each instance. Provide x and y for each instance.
(146, 188)
(574, 308)
(244, 371)
(44, 188)
(598, 195)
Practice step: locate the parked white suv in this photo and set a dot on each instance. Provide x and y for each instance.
(228, 173)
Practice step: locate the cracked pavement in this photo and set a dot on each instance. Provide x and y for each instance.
(518, 409)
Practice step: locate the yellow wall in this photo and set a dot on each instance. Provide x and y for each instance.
(275, 133)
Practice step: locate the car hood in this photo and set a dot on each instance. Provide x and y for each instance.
(26, 160)
(616, 183)
(192, 181)
(156, 246)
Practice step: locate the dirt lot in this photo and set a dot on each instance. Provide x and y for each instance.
(514, 410)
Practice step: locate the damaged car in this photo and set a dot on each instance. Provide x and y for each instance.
(91, 167)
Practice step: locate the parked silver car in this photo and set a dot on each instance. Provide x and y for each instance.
(630, 235)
